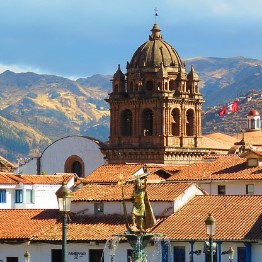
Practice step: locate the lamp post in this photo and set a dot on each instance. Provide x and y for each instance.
(64, 195)
(230, 253)
(210, 223)
(27, 256)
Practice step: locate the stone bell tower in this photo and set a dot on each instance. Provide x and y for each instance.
(155, 108)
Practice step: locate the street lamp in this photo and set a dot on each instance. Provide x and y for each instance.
(64, 195)
(210, 223)
(27, 256)
(230, 253)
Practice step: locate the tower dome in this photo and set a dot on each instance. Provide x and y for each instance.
(253, 121)
(253, 112)
(155, 53)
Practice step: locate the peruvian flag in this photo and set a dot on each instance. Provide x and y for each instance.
(230, 108)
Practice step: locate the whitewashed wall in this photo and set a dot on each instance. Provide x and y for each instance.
(79, 252)
(87, 208)
(233, 187)
(53, 158)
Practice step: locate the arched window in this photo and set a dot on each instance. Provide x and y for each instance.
(258, 123)
(147, 118)
(74, 164)
(190, 122)
(131, 87)
(175, 122)
(149, 85)
(172, 85)
(77, 168)
(126, 123)
(253, 124)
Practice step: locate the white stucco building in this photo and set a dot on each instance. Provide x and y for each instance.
(71, 154)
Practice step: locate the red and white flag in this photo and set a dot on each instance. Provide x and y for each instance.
(230, 108)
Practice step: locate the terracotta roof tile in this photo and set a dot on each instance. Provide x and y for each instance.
(11, 179)
(218, 140)
(156, 192)
(23, 223)
(225, 167)
(85, 228)
(188, 222)
(110, 173)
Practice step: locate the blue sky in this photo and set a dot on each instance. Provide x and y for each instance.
(79, 38)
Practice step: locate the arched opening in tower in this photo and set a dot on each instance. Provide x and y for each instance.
(126, 123)
(147, 124)
(175, 123)
(190, 122)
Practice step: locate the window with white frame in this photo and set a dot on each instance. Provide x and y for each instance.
(221, 189)
(2, 196)
(250, 189)
(18, 196)
(29, 196)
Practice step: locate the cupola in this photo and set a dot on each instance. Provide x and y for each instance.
(253, 121)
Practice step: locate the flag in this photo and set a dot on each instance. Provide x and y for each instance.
(222, 112)
(230, 108)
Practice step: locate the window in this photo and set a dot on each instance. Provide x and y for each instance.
(252, 162)
(29, 196)
(149, 85)
(56, 255)
(179, 254)
(126, 123)
(99, 208)
(250, 189)
(221, 189)
(19, 196)
(2, 196)
(241, 254)
(77, 168)
(190, 122)
(11, 259)
(95, 255)
(147, 122)
(175, 122)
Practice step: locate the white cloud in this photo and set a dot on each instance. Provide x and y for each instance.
(19, 69)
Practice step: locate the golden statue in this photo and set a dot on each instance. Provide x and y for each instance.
(142, 213)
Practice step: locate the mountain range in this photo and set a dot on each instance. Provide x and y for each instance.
(37, 109)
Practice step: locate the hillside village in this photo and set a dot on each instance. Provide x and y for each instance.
(233, 123)
(163, 188)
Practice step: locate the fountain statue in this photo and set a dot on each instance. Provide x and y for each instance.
(138, 233)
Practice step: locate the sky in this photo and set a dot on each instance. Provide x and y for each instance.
(80, 38)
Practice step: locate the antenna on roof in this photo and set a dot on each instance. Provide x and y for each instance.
(155, 14)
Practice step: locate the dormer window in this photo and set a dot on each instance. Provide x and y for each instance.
(252, 162)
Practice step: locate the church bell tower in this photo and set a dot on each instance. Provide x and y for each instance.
(155, 108)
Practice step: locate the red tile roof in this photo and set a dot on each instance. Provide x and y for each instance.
(23, 223)
(111, 173)
(85, 228)
(237, 218)
(156, 192)
(11, 179)
(226, 167)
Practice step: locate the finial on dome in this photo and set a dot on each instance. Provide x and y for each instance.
(155, 33)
